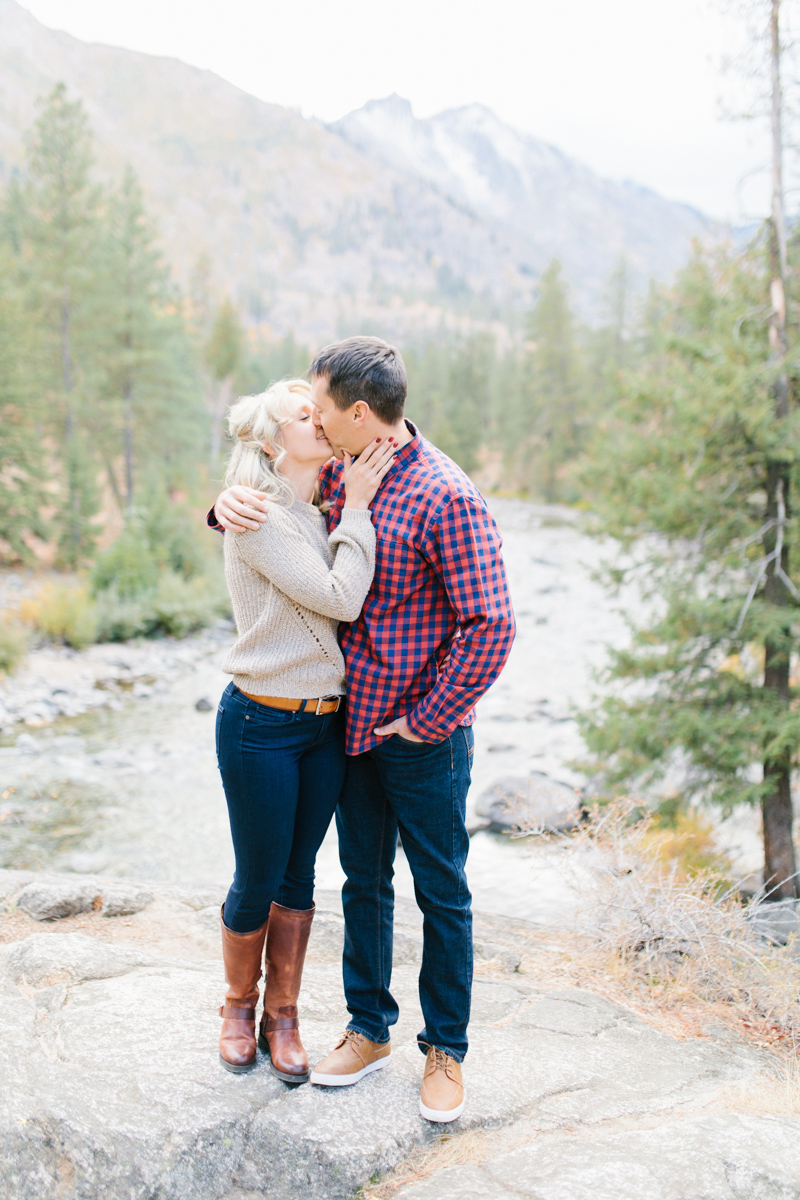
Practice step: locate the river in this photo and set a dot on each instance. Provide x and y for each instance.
(136, 791)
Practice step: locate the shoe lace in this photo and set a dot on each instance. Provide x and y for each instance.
(441, 1061)
(350, 1035)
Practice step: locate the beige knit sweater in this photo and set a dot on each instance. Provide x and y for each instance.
(290, 585)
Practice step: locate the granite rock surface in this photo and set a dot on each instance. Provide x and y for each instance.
(112, 1088)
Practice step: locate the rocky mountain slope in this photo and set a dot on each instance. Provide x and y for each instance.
(536, 198)
(380, 222)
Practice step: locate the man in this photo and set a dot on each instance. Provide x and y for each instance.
(435, 632)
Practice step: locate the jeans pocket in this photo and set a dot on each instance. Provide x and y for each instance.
(262, 715)
(418, 745)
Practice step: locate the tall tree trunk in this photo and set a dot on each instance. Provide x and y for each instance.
(776, 806)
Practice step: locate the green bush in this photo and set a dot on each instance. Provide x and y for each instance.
(182, 606)
(62, 613)
(14, 641)
(128, 565)
(120, 618)
(175, 607)
(176, 540)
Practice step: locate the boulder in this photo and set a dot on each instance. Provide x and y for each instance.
(12, 882)
(51, 898)
(45, 959)
(530, 804)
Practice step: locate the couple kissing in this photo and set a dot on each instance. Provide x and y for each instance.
(372, 611)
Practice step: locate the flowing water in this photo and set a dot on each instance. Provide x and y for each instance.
(136, 792)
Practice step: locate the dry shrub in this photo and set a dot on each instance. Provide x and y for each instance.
(14, 642)
(62, 612)
(684, 936)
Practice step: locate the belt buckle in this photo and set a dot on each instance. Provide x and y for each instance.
(327, 700)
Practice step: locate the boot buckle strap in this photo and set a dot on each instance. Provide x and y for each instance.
(274, 1023)
(237, 1014)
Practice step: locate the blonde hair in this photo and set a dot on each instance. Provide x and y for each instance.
(255, 422)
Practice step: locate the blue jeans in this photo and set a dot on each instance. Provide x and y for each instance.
(419, 789)
(282, 773)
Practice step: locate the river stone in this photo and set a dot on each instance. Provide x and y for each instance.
(532, 803)
(123, 898)
(51, 898)
(45, 959)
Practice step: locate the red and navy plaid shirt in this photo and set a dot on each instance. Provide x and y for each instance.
(437, 624)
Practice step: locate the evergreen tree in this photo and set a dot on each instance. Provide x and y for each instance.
(153, 392)
(462, 412)
(26, 472)
(67, 289)
(223, 356)
(544, 428)
(689, 454)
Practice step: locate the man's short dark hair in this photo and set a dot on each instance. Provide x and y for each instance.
(368, 369)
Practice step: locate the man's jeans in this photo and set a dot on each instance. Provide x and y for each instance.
(419, 789)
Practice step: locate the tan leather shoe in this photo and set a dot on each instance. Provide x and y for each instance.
(353, 1057)
(441, 1097)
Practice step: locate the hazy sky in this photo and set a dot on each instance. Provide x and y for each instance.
(632, 87)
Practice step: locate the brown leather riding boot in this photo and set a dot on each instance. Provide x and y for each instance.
(241, 955)
(287, 939)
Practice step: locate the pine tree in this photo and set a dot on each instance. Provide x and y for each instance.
(223, 356)
(462, 411)
(545, 426)
(67, 287)
(153, 396)
(689, 455)
(25, 466)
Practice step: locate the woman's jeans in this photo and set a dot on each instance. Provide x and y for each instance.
(418, 789)
(282, 773)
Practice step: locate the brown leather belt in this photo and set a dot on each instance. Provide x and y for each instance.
(320, 708)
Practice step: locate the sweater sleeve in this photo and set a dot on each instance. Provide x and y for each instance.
(279, 552)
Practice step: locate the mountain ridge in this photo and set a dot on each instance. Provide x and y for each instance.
(322, 229)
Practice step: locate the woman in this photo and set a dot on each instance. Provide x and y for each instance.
(280, 723)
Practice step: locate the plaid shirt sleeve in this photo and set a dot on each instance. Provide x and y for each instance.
(462, 545)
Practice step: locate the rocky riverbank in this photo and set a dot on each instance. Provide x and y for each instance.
(112, 1087)
(56, 681)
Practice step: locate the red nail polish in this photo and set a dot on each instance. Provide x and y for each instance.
(377, 439)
